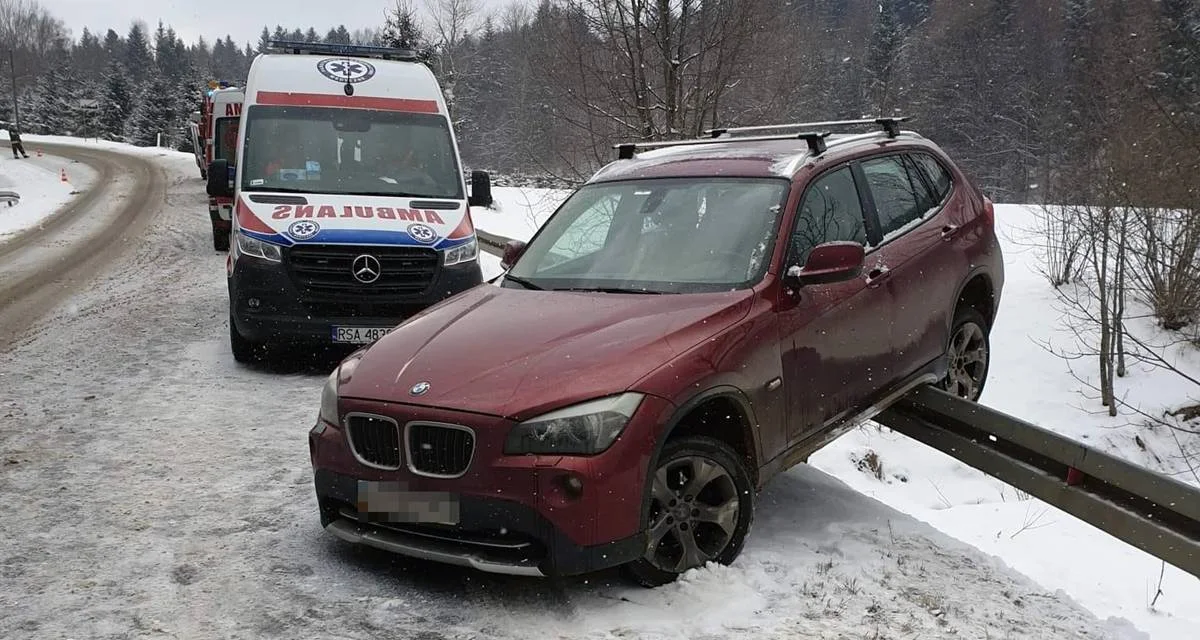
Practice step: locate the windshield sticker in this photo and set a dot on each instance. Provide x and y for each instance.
(421, 233)
(257, 182)
(345, 70)
(303, 229)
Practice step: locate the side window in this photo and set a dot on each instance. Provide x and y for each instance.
(831, 211)
(900, 195)
(936, 173)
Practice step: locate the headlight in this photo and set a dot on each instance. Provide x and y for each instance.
(465, 253)
(256, 248)
(329, 399)
(584, 429)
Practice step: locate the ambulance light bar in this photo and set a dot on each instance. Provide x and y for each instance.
(347, 50)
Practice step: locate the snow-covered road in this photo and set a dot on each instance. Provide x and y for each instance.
(153, 488)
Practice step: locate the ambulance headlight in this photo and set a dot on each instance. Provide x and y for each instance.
(248, 246)
(463, 253)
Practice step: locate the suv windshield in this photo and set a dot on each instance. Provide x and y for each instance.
(662, 236)
(349, 151)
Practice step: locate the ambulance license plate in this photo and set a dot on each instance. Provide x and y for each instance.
(359, 335)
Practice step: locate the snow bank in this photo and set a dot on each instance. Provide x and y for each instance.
(38, 181)
(518, 212)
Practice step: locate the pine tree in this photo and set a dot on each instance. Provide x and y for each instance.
(311, 35)
(49, 109)
(264, 41)
(114, 47)
(138, 61)
(403, 31)
(338, 36)
(155, 114)
(116, 103)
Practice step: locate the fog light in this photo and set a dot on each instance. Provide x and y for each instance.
(253, 303)
(573, 484)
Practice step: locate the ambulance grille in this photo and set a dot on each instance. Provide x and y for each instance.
(324, 274)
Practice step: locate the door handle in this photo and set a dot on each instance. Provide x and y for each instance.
(878, 275)
(949, 231)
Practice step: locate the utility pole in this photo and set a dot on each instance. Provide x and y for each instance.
(12, 68)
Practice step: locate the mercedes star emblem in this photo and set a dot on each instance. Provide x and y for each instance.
(366, 268)
(419, 388)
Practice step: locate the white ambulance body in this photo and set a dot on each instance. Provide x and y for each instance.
(350, 208)
(221, 142)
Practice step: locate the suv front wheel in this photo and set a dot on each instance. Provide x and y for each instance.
(700, 509)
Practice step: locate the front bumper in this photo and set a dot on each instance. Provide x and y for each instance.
(266, 304)
(514, 514)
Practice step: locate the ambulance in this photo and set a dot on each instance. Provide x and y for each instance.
(350, 208)
(220, 115)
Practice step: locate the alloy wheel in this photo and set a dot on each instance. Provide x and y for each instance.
(693, 513)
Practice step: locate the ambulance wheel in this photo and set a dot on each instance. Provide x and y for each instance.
(243, 350)
(220, 239)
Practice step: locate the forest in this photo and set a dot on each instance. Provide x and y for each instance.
(1034, 97)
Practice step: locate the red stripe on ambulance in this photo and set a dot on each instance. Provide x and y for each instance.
(292, 99)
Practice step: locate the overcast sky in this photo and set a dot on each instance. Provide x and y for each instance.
(242, 19)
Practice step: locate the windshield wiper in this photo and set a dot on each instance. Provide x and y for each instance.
(275, 190)
(399, 194)
(523, 282)
(615, 290)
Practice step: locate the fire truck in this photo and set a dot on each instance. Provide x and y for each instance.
(214, 131)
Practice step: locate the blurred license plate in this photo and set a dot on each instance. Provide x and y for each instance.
(393, 502)
(359, 335)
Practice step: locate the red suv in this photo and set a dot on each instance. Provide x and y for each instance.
(691, 322)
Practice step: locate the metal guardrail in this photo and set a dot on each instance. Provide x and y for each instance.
(1148, 510)
(10, 197)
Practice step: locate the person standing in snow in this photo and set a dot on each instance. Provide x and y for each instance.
(15, 138)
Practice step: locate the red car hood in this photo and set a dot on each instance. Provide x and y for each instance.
(517, 353)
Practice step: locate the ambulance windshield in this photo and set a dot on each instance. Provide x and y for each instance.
(349, 152)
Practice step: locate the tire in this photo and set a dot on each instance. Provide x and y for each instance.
(244, 350)
(729, 484)
(220, 240)
(968, 355)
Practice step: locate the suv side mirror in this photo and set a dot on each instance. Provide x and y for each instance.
(219, 183)
(512, 251)
(828, 263)
(481, 189)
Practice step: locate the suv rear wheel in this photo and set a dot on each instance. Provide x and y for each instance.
(969, 354)
(700, 509)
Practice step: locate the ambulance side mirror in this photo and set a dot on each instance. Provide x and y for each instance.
(219, 183)
(481, 189)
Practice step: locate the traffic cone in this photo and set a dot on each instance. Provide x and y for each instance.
(63, 176)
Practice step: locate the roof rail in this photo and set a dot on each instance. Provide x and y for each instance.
(890, 125)
(347, 50)
(815, 140)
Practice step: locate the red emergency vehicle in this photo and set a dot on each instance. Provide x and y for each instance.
(214, 131)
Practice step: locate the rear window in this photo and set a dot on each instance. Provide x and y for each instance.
(938, 177)
(225, 140)
(349, 152)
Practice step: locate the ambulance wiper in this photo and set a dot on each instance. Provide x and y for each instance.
(276, 190)
(394, 194)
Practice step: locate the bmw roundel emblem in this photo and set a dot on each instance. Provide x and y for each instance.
(419, 388)
(345, 70)
(422, 233)
(303, 229)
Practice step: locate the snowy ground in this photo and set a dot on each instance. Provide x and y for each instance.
(161, 490)
(38, 181)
